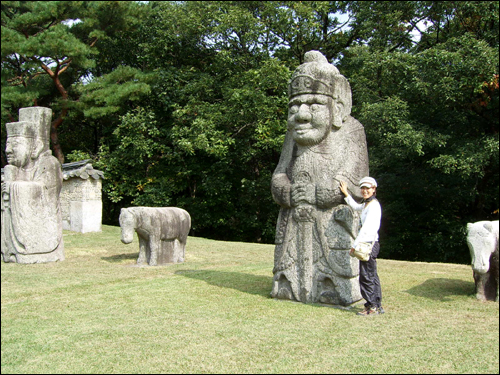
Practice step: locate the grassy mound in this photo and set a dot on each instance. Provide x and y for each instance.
(97, 312)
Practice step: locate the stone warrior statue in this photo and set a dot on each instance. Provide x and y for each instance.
(315, 229)
(31, 214)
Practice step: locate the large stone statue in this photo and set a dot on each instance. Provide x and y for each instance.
(31, 214)
(323, 146)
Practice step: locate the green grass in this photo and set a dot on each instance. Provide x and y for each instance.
(97, 312)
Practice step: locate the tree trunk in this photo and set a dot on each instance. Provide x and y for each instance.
(54, 138)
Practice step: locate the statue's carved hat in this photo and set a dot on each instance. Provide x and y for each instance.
(20, 129)
(317, 76)
(34, 122)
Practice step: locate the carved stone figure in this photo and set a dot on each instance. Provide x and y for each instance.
(316, 228)
(482, 239)
(31, 213)
(162, 232)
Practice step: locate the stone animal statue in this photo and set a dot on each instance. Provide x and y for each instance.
(162, 233)
(482, 239)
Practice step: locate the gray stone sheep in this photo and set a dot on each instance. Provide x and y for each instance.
(162, 233)
(482, 238)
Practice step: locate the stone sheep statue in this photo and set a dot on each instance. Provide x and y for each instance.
(482, 238)
(162, 233)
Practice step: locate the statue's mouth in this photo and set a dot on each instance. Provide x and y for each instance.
(302, 129)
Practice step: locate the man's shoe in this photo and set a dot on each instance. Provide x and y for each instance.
(364, 311)
(381, 310)
(368, 311)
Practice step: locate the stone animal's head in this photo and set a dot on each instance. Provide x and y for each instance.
(482, 243)
(127, 224)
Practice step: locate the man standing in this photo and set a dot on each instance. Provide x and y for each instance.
(323, 146)
(31, 213)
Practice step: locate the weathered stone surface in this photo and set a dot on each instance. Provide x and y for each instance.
(162, 233)
(315, 229)
(81, 197)
(482, 239)
(31, 212)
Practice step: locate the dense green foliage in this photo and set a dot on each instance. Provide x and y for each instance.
(184, 104)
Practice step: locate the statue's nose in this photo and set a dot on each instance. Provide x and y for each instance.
(303, 115)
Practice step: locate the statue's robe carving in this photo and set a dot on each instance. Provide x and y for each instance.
(34, 208)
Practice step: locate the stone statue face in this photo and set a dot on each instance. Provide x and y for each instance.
(18, 151)
(309, 118)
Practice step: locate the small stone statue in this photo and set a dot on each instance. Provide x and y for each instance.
(31, 213)
(316, 228)
(162, 232)
(482, 239)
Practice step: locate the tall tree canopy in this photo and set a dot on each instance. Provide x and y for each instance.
(430, 109)
(184, 104)
(49, 47)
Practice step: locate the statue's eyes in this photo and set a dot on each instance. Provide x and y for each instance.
(314, 107)
(294, 109)
(15, 143)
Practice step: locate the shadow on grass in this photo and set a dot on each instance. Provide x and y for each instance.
(244, 282)
(440, 289)
(119, 257)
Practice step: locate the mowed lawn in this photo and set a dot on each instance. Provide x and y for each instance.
(97, 312)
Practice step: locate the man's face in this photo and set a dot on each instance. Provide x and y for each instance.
(18, 151)
(309, 118)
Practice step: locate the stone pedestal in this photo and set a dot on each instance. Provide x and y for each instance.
(81, 197)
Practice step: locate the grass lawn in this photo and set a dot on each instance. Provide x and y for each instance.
(97, 312)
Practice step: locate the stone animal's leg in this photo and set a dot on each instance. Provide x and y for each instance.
(175, 250)
(495, 280)
(180, 242)
(183, 252)
(496, 298)
(480, 280)
(180, 250)
(142, 251)
(154, 246)
(494, 269)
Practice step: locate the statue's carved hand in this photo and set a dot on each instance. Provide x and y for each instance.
(5, 187)
(328, 196)
(303, 193)
(280, 189)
